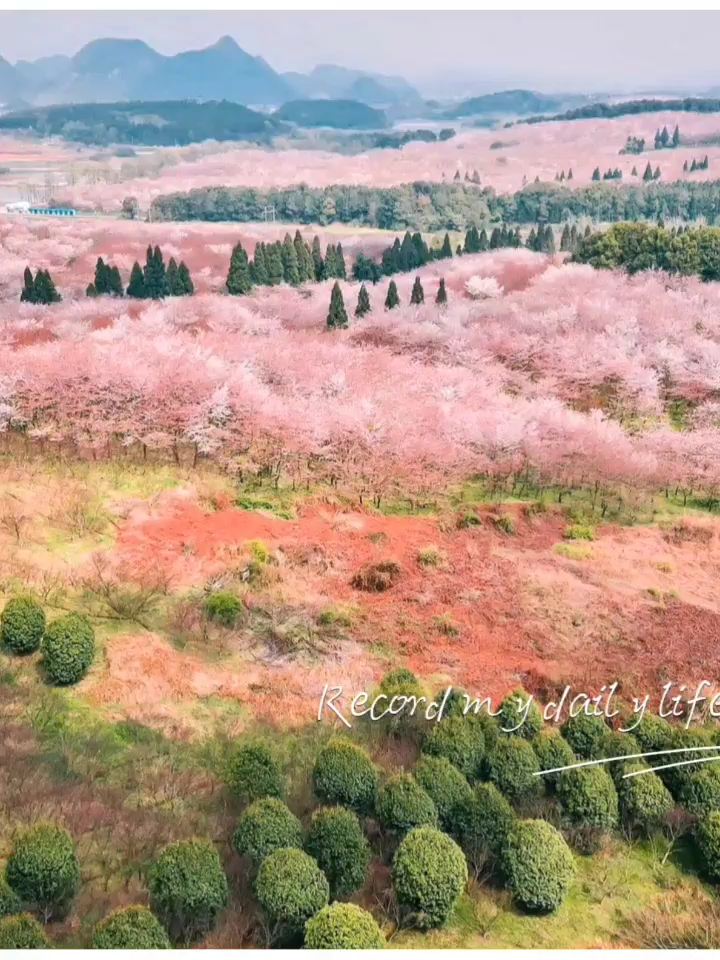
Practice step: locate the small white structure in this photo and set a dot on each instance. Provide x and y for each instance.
(21, 206)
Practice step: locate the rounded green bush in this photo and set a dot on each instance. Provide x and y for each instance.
(336, 840)
(700, 795)
(538, 865)
(617, 744)
(707, 837)
(652, 732)
(223, 607)
(188, 888)
(487, 820)
(22, 932)
(68, 649)
(677, 779)
(645, 801)
(343, 926)
(400, 683)
(291, 888)
(429, 874)
(459, 741)
(22, 625)
(132, 928)
(588, 798)
(585, 733)
(10, 902)
(43, 869)
(403, 804)
(512, 767)
(512, 712)
(266, 825)
(344, 775)
(552, 751)
(253, 773)
(447, 787)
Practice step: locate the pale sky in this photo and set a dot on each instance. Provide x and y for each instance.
(599, 51)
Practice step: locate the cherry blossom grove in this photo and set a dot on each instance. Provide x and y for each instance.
(569, 373)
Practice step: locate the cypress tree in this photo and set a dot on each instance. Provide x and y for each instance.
(273, 262)
(441, 297)
(418, 294)
(238, 280)
(172, 278)
(446, 249)
(407, 253)
(549, 240)
(43, 289)
(90, 290)
(458, 250)
(392, 299)
(495, 239)
(596, 173)
(185, 283)
(303, 275)
(291, 271)
(258, 267)
(363, 302)
(27, 295)
(472, 241)
(656, 175)
(318, 262)
(676, 136)
(565, 238)
(530, 242)
(101, 277)
(154, 275)
(664, 137)
(340, 268)
(330, 267)
(337, 315)
(136, 286)
(422, 254)
(391, 258)
(633, 172)
(648, 174)
(115, 284)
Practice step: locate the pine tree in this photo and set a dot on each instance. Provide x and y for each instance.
(101, 278)
(43, 289)
(658, 140)
(27, 294)
(633, 172)
(340, 268)
(422, 254)
(656, 175)
(337, 316)
(530, 242)
(596, 173)
(407, 253)
(185, 283)
(115, 284)
(239, 281)
(363, 302)
(418, 294)
(136, 286)
(664, 137)
(258, 267)
(392, 299)
(570, 174)
(472, 241)
(685, 167)
(303, 274)
(549, 240)
(90, 290)
(274, 265)
(676, 136)
(318, 262)
(172, 278)
(154, 275)
(648, 174)
(441, 297)
(446, 248)
(495, 239)
(291, 271)
(458, 250)
(483, 242)
(565, 239)
(330, 267)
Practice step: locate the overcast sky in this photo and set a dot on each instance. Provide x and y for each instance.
(550, 50)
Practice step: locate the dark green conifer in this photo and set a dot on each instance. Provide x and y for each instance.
(337, 315)
(441, 297)
(318, 262)
(136, 286)
(363, 302)
(392, 299)
(239, 281)
(417, 296)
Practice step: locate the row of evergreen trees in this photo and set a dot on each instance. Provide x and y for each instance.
(38, 289)
(292, 261)
(664, 141)
(697, 164)
(154, 281)
(560, 177)
(337, 314)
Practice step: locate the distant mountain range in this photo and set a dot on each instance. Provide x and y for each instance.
(114, 70)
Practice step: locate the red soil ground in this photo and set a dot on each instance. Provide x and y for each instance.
(500, 610)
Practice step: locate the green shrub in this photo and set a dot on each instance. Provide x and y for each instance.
(700, 795)
(10, 902)
(505, 523)
(652, 732)
(678, 778)
(22, 625)
(431, 556)
(617, 744)
(400, 683)
(291, 888)
(403, 804)
(344, 775)
(343, 926)
(588, 798)
(68, 649)
(43, 869)
(486, 821)
(459, 741)
(584, 734)
(552, 751)
(266, 825)
(22, 932)
(429, 874)
(512, 710)
(579, 531)
(645, 801)
(538, 865)
(132, 928)
(447, 788)
(253, 773)
(188, 888)
(707, 837)
(512, 767)
(223, 607)
(336, 840)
